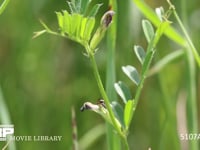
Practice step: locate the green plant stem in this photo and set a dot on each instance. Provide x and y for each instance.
(191, 53)
(144, 74)
(113, 141)
(150, 14)
(150, 53)
(188, 39)
(104, 95)
(3, 6)
(170, 32)
(170, 121)
(190, 43)
(192, 118)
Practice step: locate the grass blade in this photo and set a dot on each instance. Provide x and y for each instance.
(99, 130)
(3, 6)
(164, 61)
(151, 15)
(114, 142)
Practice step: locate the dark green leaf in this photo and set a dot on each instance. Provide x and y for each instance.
(94, 10)
(123, 91)
(140, 53)
(118, 111)
(132, 73)
(128, 112)
(84, 6)
(148, 30)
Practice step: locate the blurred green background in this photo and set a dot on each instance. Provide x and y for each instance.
(42, 78)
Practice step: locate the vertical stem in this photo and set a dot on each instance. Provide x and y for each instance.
(74, 130)
(144, 73)
(105, 97)
(191, 53)
(112, 140)
(102, 91)
(116, 125)
(169, 124)
(192, 119)
(188, 39)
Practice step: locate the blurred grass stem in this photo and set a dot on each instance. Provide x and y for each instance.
(3, 6)
(114, 142)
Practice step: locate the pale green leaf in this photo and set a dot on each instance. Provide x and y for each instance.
(160, 13)
(140, 53)
(132, 73)
(148, 30)
(123, 91)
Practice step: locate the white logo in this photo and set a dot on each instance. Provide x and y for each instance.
(5, 131)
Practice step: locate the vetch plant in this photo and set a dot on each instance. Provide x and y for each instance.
(78, 25)
(81, 33)
(189, 50)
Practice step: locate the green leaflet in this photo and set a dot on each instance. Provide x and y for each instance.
(140, 53)
(132, 73)
(89, 28)
(123, 91)
(148, 30)
(76, 25)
